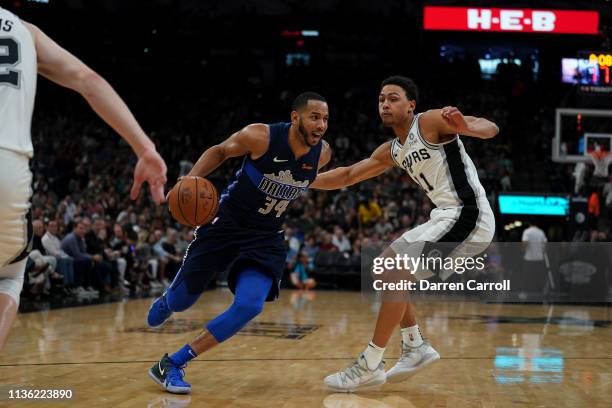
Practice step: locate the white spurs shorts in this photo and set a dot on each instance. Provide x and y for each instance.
(15, 222)
(450, 232)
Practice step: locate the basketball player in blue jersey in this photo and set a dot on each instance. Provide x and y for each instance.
(280, 162)
(428, 147)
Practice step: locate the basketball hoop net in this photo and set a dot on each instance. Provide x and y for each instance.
(601, 160)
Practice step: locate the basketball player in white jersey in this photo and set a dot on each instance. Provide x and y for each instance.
(25, 51)
(427, 146)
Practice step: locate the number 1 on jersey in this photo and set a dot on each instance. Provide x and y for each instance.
(429, 186)
(279, 206)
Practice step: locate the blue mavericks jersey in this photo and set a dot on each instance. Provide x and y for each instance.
(262, 189)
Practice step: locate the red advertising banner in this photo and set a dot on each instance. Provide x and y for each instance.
(511, 20)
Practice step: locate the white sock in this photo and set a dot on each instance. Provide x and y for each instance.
(412, 336)
(373, 355)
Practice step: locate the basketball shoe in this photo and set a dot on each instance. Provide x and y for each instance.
(357, 375)
(412, 360)
(159, 312)
(169, 376)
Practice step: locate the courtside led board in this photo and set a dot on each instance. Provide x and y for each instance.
(511, 20)
(533, 205)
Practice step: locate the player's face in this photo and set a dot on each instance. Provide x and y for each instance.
(394, 107)
(312, 122)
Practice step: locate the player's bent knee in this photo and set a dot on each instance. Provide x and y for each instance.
(248, 310)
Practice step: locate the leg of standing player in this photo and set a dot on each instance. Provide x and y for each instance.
(368, 369)
(15, 233)
(11, 282)
(8, 312)
(417, 352)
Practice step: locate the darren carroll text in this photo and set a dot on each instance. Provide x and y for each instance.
(441, 286)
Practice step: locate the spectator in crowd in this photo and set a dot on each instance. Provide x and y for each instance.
(38, 229)
(120, 251)
(292, 240)
(95, 243)
(165, 248)
(73, 244)
(340, 241)
(327, 243)
(299, 275)
(310, 248)
(369, 212)
(53, 247)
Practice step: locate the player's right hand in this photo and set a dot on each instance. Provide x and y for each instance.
(152, 169)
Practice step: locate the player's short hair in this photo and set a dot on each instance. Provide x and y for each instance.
(301, 101)
(407, 84)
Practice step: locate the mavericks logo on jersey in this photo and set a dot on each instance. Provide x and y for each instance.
(282, 186)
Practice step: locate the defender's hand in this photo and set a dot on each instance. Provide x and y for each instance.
(152, 169)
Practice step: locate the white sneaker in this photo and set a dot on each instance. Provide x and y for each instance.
(81, 292)
(357, 375)
(412, 360)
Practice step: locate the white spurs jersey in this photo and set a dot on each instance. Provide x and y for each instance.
(18, 70)
(444, 171)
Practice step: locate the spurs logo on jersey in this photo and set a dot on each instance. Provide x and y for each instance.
(18, 70)
(444, 171)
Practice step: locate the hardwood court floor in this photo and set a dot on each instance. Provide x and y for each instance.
(493, 355)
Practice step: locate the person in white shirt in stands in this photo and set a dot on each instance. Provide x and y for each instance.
(340, 240)
(65, 264)
(534, 244)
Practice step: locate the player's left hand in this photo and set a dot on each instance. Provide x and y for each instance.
(454, 118)
(152, 169)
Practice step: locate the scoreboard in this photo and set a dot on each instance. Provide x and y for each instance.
(590, 70)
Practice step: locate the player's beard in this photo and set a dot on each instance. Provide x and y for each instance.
(303, 133)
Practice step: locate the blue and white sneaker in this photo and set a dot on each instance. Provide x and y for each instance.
(159, 312)
(169, 376)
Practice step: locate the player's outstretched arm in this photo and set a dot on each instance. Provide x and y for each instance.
(253, 140)
(449, 120)
(61, 67)
(340, 177)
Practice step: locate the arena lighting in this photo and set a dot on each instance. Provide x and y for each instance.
(511, 20)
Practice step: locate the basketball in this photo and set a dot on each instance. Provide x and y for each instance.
(193, 201)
